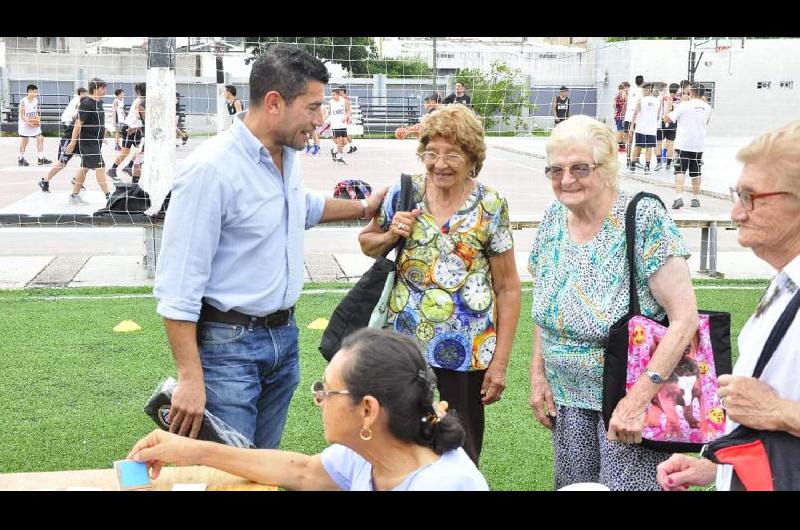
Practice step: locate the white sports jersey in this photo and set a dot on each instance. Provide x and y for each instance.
(338, 114)
(71, 111)
(31, 109)
(692, 117)
(634, 95)
(134, 120)
(647, 121)
(119, 107)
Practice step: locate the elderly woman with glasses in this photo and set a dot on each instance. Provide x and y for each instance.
(581, 289)
(767, 208)
(457, 290)
(378, 409)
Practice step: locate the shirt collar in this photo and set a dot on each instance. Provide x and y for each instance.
(253, 146)
(792, 270)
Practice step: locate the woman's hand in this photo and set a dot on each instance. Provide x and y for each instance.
(161, 447)
(627, 421)
(494, 383)
(403, 223)
(681, 471)
(542, 400)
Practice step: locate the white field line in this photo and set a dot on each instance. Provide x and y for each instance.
(307, 292)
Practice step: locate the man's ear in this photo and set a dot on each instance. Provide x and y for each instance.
(273, 102)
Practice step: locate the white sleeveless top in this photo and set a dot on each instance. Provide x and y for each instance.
(31, 110)
(134, 120)
(338, 114)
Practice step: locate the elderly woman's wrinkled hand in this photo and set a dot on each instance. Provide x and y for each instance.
(542, 402)
(162, 447)
(494, 383)
(627, 421)
(403, 223)
(750, 402)
(681, 471)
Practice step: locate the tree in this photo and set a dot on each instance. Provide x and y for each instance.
(497, 96)
(351, 52)
(399, 67)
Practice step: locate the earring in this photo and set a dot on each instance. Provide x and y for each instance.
(366, 437)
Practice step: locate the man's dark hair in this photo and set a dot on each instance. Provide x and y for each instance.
(141, 89)
(389, 367)
(686, 84)
(96, 83)
(626, 84)
(231, 89)
(639, 80)
(31, 87)
(118, 91)
(673, 88)
(80, 91)
(435, 98)
(285, 69)
(343, 89)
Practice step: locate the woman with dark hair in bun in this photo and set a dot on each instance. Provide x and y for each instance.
(379, 413)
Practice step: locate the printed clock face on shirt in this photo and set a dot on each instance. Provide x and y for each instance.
(415, 273)
(477, 293)
(449, 272)
(422, 235)
(450, 350)
(425, 331)
(436, 305)
(399, 297)
(468, 221)
(486, 347)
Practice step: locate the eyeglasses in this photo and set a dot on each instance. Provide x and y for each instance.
(319, 393)
(452, 159)
(748, 199)
(578, 171)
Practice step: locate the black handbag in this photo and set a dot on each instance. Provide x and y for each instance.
(620, 339)
(354, 311)
(762, 460)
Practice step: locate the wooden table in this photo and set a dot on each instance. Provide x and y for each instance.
(106, 479)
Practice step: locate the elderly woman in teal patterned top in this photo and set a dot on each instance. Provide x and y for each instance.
(458, 290)
(581, 288)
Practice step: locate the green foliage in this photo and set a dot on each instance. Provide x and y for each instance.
(497, 96)
(399, 67)
(351, 52)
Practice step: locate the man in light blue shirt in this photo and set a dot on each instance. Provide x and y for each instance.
(231, 262)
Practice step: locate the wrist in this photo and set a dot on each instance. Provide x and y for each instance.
(364, 209)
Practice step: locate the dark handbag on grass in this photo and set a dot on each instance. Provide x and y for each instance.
(686, 412)
(355, 310)
(762, 460)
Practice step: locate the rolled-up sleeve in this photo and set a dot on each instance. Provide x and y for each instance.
(315, 206)
(191, 236)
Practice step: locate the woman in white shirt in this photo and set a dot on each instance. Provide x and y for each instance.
(767, 208)
(379, 413)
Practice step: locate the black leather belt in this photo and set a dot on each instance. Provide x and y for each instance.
(273, 320)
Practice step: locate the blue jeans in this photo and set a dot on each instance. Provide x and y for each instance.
(250, 375)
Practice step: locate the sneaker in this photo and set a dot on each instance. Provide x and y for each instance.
(127, 171)
(340, 161)
(308, 148)
(76, 199)
(44, 162)
(695, 203)
(677, 204)
(647, 168)
(638, 164)
(73, 183)
(658, 167)
(316, 149)
(112, 174)
(352, 149)
(23, 162)
(45, 185)
(333, 154)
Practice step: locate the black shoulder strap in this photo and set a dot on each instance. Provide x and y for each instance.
(777, 334)
(630, 243)
(404, 204)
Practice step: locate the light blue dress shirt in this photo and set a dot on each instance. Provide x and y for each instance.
(233, 233)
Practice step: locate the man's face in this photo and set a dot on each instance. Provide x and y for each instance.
(121, 95)
(459, 89)
(335, 95)
(300, 118)
(33, 94)
(563, 93)
(101, 91)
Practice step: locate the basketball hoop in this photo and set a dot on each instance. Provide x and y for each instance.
(722, 49)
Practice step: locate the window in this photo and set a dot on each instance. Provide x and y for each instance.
(764, 84)
(198, 66)
(787, 84)
(710, 92)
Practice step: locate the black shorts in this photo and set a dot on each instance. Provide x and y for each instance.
(91, 158)
(666, 134)
(645, 140)
(63, 156)
(130, 139)
(689, 163)
(340, 133)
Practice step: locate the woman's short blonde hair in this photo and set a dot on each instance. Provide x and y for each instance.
(583, 130)
(781, 150)
(458, 125)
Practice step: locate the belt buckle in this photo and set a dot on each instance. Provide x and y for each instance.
(276, 319)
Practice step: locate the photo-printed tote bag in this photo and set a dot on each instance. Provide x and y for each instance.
(686, 413)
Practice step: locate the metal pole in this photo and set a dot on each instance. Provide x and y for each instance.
(690, 76)
(223, 118)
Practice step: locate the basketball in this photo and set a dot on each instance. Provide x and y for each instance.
(400, 133)
(35, 121)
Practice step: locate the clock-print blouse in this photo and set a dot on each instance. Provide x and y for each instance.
(443, 295)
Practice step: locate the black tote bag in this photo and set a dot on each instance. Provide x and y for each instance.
(620, 339)
(354, 311)
(762, 460)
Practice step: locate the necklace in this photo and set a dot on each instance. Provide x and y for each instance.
(431, 202)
